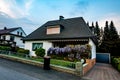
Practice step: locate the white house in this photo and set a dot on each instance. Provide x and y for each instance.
(12, 36)
(61, 33)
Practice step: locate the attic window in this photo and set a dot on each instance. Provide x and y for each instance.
(53, 29)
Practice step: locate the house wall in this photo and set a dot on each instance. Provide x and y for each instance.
(17, 39)
(19, 42)
(93, 51)
(46, 46)
(20, 31)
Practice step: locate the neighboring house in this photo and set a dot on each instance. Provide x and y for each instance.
(12, 37)
(61, 33)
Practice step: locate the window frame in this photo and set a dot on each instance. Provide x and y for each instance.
(39, 45)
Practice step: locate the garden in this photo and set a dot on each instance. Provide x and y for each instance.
(72, 54)
(66, 57)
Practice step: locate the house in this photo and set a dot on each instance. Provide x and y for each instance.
(61, 33)
(12, 36)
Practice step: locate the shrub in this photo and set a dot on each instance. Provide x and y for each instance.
(118, 67)
(22, 51)
(40, 52)
(5, 48)
(116, 62)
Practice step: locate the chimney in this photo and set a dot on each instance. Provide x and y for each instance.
(61, 18)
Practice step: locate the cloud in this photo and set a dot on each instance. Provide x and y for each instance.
(14, 15)
(111, 17)
(25, 23)
(14, 10)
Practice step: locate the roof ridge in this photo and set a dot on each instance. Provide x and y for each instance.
(65, 19)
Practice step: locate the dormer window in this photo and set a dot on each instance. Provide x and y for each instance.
(17, 32)
(21, 33)
(53, 29)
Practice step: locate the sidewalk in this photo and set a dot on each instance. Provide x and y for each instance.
(102, 71)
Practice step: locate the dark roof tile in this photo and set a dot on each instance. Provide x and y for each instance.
(7, 31)
(73, 28)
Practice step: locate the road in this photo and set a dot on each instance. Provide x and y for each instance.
(11, 70)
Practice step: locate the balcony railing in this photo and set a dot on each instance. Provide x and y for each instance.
(7, 43)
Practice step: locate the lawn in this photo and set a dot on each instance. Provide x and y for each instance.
(57, 62)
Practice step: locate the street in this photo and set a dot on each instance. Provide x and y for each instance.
(11, 70)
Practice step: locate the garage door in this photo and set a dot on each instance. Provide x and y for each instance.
(103, 57)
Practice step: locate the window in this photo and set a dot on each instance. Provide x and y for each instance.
(21, 33)
(36, 46)
(4, 37)
(17, 32)
(53, 30)
(12, 38)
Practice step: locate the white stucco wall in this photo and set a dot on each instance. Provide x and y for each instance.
(28, 45)
(19, 42)
(93, 46)
(17, 39)
(20, 31)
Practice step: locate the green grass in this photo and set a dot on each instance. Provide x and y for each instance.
(63, 63)
(57, 62)
(52, 61)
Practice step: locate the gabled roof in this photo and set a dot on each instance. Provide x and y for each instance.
(8, 31)
(74, 28)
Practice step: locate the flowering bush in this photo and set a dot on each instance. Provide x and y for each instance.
(71, 53)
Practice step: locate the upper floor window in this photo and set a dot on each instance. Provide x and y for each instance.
(21, 33)
(53, 29)
(17, 32)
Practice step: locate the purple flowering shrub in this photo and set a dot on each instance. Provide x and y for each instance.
(70, 53)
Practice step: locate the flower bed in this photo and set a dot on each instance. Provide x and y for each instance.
(70, 53)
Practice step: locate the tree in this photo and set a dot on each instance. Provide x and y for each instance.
(88, 23)
(106, 32)
(97, 30)
(113, 33)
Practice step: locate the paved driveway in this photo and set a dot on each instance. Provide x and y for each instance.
(10, 70)
(103, 71)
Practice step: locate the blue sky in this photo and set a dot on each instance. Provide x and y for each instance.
(31, 14)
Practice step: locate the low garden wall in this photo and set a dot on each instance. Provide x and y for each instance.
(79, 70)
(89, 64)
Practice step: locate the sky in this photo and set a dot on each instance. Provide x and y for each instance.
(31, 14)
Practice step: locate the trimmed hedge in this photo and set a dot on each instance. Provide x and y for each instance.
(5, 48)
(22, 52)
(116, 62)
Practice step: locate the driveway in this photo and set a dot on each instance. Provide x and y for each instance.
(11, 70)
(102, 71)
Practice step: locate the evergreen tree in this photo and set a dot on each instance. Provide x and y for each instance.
(93, 28)
(97, 30)
(106, 32)
(113, 33)
(92, 24)
(88, 23)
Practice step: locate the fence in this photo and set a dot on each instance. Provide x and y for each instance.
(13, 53)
